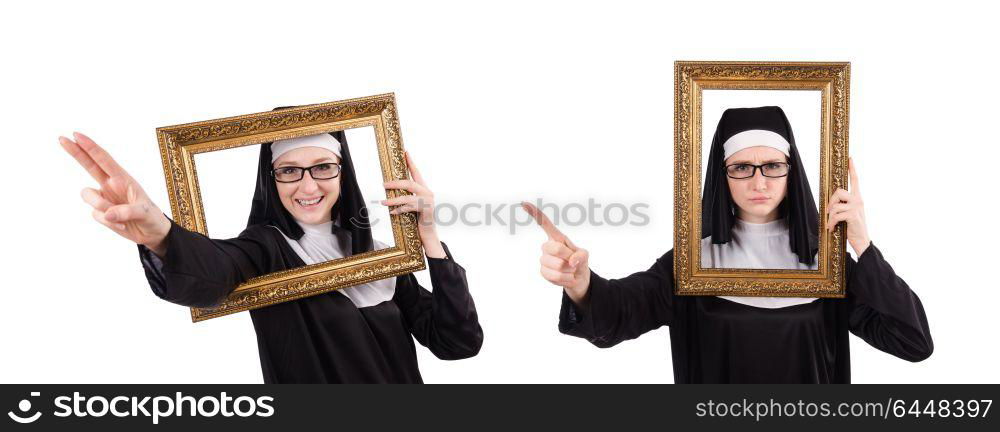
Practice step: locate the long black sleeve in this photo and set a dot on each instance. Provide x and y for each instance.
(622, 309)
(199, 271)
(444, 321)
(885, 312)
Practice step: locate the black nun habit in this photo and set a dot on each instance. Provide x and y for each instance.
(717, 340)
(324, 338)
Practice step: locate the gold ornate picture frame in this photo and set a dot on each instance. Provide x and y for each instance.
(179, 144)
(691, 78)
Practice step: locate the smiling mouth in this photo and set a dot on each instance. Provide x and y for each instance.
(309, 203)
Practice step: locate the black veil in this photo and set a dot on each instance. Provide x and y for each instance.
(718, 212)
(350, 215)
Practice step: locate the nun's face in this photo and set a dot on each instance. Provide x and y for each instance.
(308, 200)
(758, 197)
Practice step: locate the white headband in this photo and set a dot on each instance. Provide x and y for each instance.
(323, 140)
(755, 138)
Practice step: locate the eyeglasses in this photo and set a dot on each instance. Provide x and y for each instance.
(292, 174)
(745, 170)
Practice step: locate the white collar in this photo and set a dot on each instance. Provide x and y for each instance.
(758, 234)
(319, 244)
(766, 229)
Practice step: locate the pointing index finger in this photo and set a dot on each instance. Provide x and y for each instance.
(414, 172)
(83, 159)
(545, 223)
(855, 188)
(99, 155)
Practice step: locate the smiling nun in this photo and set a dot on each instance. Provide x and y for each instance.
(307, 208)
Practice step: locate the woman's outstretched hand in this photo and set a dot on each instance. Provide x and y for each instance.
(422, 202)
(563, 263)
(120, 204)
(848, 207)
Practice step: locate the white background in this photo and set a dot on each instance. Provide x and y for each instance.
(563, 101)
